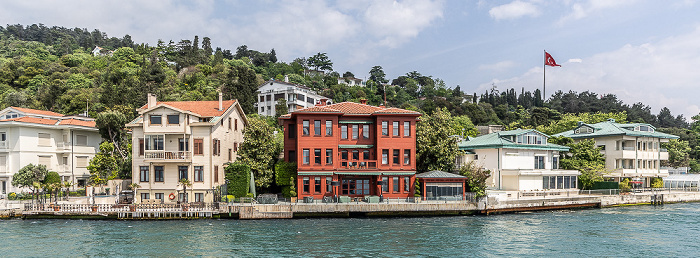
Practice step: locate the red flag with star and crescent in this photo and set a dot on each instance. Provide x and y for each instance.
(549, 60)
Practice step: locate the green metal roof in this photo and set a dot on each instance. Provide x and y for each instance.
(610, 128)
(355, 122)
(439, 174)
(357, 146)
(499, 140)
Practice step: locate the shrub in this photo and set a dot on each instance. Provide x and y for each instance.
(625, 185)
(238, 175)
(12, 196)
(285, 176)
(657, 183)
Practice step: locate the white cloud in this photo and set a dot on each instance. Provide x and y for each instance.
(393, 22)
(500, 66)
(514, 10)
(583, 9)
(575, 60)
(659, 74)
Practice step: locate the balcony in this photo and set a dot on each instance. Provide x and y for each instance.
(4, 145)
(628, 148)
(63, 146)
(167, 155)
(358, 165)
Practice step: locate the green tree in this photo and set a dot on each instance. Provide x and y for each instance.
(320, 61)
(111, 127)
(476, 178)
(281, 108)
(436, 149)
(104, 166)
(570, 121)
(585, 157)
(260, 150)
(464, 127)
(678, 153)
(28, 175)
(286, 177)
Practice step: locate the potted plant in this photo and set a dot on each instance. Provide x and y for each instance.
(185, 183)
(94, 207)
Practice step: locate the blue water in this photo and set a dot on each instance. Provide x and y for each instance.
(672, 230)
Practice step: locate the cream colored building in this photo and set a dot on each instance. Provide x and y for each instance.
(631, 150)
(184, 139)
(64, 144)
(519, 160)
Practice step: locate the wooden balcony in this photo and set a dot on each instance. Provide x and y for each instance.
(355, 165)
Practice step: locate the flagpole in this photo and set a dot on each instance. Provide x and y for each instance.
(544, 76)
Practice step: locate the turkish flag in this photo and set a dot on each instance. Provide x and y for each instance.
(549, 60)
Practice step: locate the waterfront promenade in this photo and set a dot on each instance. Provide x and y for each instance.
(494, 204)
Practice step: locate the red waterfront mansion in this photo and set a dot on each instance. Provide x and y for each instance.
(352, 149)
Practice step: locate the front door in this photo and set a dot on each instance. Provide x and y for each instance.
(355, 186)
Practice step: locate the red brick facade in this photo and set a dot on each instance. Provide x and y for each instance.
(355, 145)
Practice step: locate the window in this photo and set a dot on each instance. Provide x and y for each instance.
(216, 147)
(154, 142)
(343, 132)
(406, 184)
(3, 137)
(539, 162)
(385, 157)
(81, 140)
(156, 119)
(183, 144)
(292, 133)
(182, 171)
(305, 156)
(158, 174)
(355, 131)
(531, 138)
(317, 184)
(230, 154)
(292, 156)
(329, 127)
(583, 130)
(199, 197)
(159, 196)
(555, 162)
(329, 186)
(396, 157)
(81, 161)
(199, 173)
(173, 119)
(198, 146)
(305, 127)
(143, 175)
(44, 139)
(235, 124)
(344, 154)
(355, 155)
(145, 196)
(365, 131)
(317, 127)
(395, 128)
(230, 123)
(329, 156)
(395, 182)
(141, 146)
(406, 128)
(406, 156)
(365, 155)
(385, 185)
(317, 156)
(385, 128)
(305, 183)
(216, 174)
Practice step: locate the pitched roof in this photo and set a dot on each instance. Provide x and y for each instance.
(610, 128)
(355, 109)
(201, 108)
(36, 111)
(33, 120)
(439, 174)
(78, 122)
(500, 140)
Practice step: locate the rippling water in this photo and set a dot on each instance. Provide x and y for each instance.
(672, 230)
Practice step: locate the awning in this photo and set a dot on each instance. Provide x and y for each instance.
(357, 146)
(374, 173)
(315, 173)
(636, 182)
(354, 122)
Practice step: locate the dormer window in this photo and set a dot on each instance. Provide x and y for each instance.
(156, 119)
(532, 138)
(644, 128)
(173, 119)
(11, 115)
(583, 130)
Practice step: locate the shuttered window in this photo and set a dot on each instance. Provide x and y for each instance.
(198, 146)
(46, 161)
(81, 161)
(81, 140)
(44, 139)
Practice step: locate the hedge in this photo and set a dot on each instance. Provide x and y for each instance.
(238, 176)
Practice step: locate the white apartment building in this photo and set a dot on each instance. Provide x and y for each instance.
(351, 81)
(64, 144)
(297, 96)
(191, 140)
(519, 160)
(631, 150)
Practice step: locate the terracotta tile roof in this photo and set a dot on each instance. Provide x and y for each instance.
(37, 112)
(202, 108)
(33, 120)
(355, 109)
(77, 122)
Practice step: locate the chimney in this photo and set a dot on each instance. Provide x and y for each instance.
(363, 101)
(611, 120)
(580, 123)
(322, 102)
(151, 100)
(286, 78)
(221, 101)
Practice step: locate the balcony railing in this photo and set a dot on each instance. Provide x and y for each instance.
(627, 148)
(4, 145)
(358, 165)
(167, 155)
(663, 150)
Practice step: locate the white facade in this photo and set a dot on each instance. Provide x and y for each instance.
(297, 97)
(351, 81)
(65, 144)
(194, 140)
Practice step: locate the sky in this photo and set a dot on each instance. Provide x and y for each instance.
(644, 51)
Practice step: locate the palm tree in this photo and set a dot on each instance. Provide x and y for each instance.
(185, 183)
(133, 187)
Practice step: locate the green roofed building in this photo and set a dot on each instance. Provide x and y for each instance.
(631, 150)
(519, 160)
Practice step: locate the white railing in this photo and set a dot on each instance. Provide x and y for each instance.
(167, 155)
